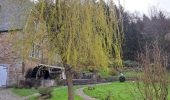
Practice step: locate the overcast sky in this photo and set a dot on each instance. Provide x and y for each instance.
(143, 5)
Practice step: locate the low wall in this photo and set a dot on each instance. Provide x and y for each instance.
(92, 81)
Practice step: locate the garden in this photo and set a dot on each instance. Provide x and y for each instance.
(57, 93)
(110, 91)
(89, 49)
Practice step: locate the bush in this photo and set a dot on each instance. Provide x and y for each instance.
(112, 72)
(104, 72)
(45, 91)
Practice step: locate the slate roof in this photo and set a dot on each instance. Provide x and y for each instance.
(13, 14)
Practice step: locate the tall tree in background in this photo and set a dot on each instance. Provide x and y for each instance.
(133, 42)
(141, 30)
(156, 27)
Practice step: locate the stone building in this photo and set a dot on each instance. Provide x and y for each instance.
(13, 16)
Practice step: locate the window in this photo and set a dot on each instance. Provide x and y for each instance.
(35, 53)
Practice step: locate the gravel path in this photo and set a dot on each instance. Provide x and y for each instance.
(83, 95)
(6, 94)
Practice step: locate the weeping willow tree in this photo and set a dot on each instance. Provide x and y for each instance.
(85, 33)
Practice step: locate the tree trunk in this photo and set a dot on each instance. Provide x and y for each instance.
(69, 77)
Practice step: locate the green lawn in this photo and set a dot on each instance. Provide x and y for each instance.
(23, 92)
(116, 91)
(132, 74)
(59, 93)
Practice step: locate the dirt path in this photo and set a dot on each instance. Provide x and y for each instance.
(83, 95)
(6, 94)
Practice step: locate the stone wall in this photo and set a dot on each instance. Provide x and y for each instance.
(30, 64)
(9, 57)
(17, 67)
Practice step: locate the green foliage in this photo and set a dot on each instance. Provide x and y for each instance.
(45, 91)
(132, 74)
(82, 33)
(113, 72)
(104, 72)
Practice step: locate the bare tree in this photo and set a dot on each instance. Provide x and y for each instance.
(153, 84)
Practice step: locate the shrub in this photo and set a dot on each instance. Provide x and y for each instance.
(104, 72)
(45, 91)
(153, 83)
(112, 72)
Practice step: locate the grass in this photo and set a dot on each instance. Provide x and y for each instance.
(132, 74)
(59, 93)
(32, 98)
(23, 92)
(116, 91)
